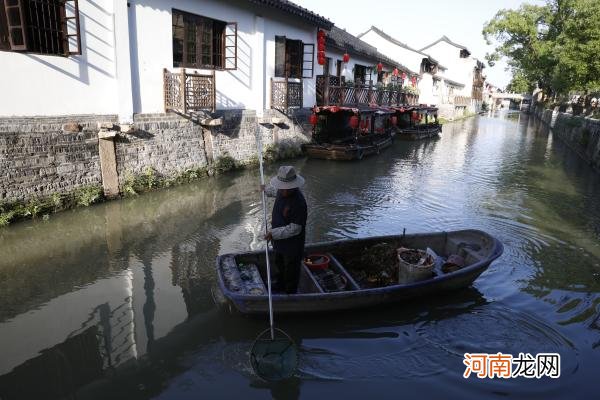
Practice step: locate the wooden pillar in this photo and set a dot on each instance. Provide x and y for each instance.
(182, 89)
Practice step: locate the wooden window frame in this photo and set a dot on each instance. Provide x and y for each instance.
(302, 67)
(222, 45)
(53, 32)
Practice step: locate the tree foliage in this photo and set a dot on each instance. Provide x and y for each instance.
(556, 45)
(519, 83)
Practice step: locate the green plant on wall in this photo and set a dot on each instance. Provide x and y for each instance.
(225, 163)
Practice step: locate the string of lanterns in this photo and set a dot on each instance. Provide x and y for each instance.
(321, 46)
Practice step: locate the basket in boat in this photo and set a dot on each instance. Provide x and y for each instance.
(414, 265)
(317, 262)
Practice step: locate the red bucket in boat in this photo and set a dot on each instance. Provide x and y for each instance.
(317, 262)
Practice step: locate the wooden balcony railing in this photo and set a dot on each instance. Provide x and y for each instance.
(462, 101)
(330, 91)
(185, 92)
(286, 94)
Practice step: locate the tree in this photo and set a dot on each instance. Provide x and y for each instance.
(519, 83)
(553, 45)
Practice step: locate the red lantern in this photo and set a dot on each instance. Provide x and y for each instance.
(415, 116)
(395, 72)
(354, 122)
(313, 119)
(346, 57)
(320, 33)
(321, 47)
(379, 67)
(414, 81)
(321, 41)
(403, 76)
(394, 120)
(321, 60)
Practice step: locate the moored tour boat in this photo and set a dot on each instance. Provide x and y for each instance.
(359, 272)
(417, 122)
(350, 133)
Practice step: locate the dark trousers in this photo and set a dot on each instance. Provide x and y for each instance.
(288, 267)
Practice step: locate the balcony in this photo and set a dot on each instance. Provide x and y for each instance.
(286, 94)
(331, 91)
(185, 93)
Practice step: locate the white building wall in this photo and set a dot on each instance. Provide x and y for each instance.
(247, 87)
(407, 57)
(32, 84)
(282, 25)
(347, 68)
(459, 69)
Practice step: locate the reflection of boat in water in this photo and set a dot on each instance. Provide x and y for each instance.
(417, 122)
(350, 133)
(477, 248)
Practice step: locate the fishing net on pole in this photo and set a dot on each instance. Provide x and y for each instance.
(274, 359)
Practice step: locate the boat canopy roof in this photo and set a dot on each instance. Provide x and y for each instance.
(428, 109)
(361, 109)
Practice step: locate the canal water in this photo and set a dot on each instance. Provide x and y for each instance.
(114, 301)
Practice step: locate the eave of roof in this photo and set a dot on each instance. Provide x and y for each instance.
(445, 38)
(398, 43)
(341, 40)
(454, 83)
(297, 11)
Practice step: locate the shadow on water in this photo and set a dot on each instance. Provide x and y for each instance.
(114, 301)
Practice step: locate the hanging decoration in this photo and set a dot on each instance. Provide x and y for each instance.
(379, 67)
(313, 119)
(403, 76)
(414, 81)
(354, 122)
(321, 47)
(395, 72)
(346, 57)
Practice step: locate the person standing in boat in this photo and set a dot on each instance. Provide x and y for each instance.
(288, 226)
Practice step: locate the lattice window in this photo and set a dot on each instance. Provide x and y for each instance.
(49, 27)
(201, 42)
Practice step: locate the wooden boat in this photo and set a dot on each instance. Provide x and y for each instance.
(417, 122)
(336, 138)
(477, 248)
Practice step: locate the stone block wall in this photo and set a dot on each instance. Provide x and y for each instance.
(167, 143)
(40, 156)
(581, 134)
(237, 136)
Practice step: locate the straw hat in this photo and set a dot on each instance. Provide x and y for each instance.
(287, 178)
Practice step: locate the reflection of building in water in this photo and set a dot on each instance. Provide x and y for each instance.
(58, 371)
(189, 262)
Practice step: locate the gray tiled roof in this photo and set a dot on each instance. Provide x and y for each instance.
(340, 39)
(445, 38)
(399, 43)
(296, 10)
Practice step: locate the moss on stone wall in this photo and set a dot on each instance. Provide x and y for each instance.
(43, 207)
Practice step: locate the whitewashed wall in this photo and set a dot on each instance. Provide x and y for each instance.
(347, 68)
(407, 57)
(33, 84)
(459, 69)
(291, 28)
(246, 87)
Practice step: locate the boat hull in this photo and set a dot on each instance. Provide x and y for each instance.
(418, 134)
(362, 298)
(346, 152)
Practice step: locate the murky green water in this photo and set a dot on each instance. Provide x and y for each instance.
(114, 301)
